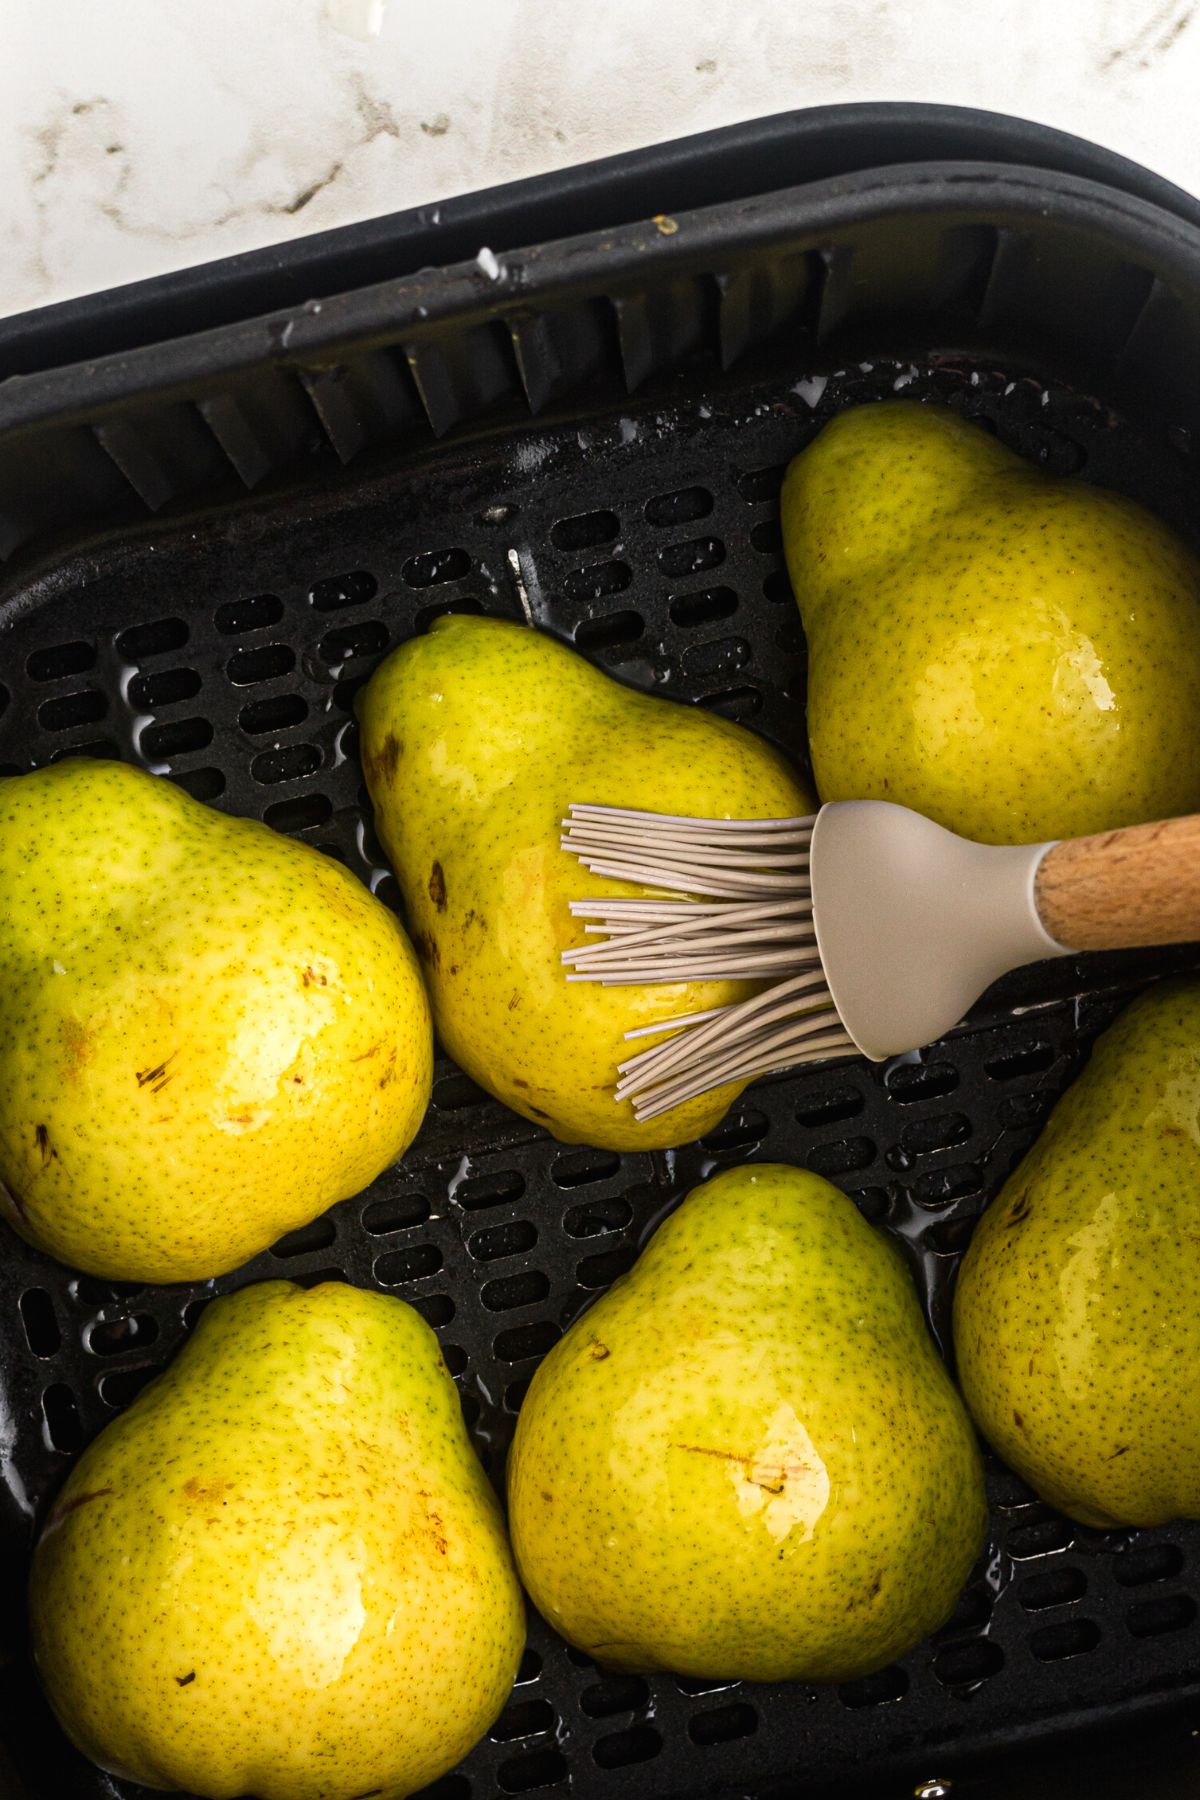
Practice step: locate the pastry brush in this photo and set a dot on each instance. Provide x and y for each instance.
(874, 928)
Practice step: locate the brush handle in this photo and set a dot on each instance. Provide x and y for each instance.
(1120, 889)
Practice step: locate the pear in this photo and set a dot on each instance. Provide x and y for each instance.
(1016, 657)
(282, 1572)
(475, 740)
(746, 1461)
(1077, 1312)
(208, 1032)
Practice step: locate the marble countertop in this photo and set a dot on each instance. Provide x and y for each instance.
(138, 136)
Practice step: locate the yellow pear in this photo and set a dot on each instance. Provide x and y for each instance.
(1077, 1311)
(747, 1460)
(475, 740)
(1015, 656)
(282, 1572)
(208, 1032)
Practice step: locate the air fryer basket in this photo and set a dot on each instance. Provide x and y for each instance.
(674, 365)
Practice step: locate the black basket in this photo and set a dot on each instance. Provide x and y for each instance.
(214, 539)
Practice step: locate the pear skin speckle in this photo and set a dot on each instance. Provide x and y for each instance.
(208, 1033)
(475, 740)
(1077, 1312)
(1016, 657)
(282, 1571)
(747, 1460)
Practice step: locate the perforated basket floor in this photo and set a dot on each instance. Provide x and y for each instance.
(227, 651)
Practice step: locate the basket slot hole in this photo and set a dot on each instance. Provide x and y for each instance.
(1165, 1613)
(950, 1237)
(872, 1203)
(251, 614)
(399, 1212)
(455, 1358)
(1144, 1563)
(193, 1310)
(466, 605)
(41, 1327)
(411, 1264)
(512, 1291)
(437, 1310)
(922, 1136)
(302, 813)
(514, 1395)
(620, 1749)
(1073, 1637)
(576, 1168)
(527, 1718)
(542, 1768)
(745, 1129)
(154, 639)
(597, 580)
(777, 588)
(584, 530)
(614, 1694)
(829, 1106)
(264, 663)
(318, 1235)
(119, 1386)
(1052, 1587)
(166, 687)
(679, 508)
(450, 1787)
(966, 1665)
(767, 537)
(525, 1341)
(61, 1417)
(938, 1187)
(596, 1217)
(291, 764)
(112, 1337)
(366, 638)
(1043, 1537)
(336, 592)
(733, 703)
(457, 1092)
(1028, 1059)
(499, 1188)
(66, 711)
(601, 1270)
(201, 784)
(723, 1725)
(704, 606)
(718, 656)
(435, 566)
(842, 1157)
(908, 1082)
(274, 714)
(879, 1689)
(60, 660)
(179, 737)
(690, 556)
(757, 486)
(1019, 1111)
(529, 1667)
(609, 629)
(498, 1241)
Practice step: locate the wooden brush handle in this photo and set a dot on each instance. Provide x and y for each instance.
(1123, 888)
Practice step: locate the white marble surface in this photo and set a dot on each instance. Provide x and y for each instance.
(138, 136)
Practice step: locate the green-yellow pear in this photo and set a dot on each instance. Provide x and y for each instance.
(282, 1572)
(747, 1459)
(1015, 656)
(208, 1032)
(1077, 1313)
(475, 740)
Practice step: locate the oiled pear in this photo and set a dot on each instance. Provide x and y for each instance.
(282, 1572)
(747, 1460)
(1016, 656)
(1077, 1313)
(208, 1032)
(475, 740)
